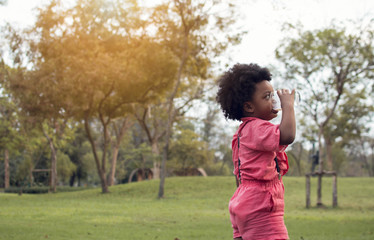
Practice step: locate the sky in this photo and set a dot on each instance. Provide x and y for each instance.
(265, 19)
(262, 19)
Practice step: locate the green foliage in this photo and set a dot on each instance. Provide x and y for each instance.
(339, 157)
(91, 61)
(65, 168)
(96, 62)
(9, 125)
(333, 69)
(42, 190)
(102, 64)
(23, 170)
(27, 190)
(76, 149)
(220, 162)
(218, 169)
(89, 166)
(351, 118)
(327, 62)
(187, 150)
(299, 159)
(138, 154)
(11, 132)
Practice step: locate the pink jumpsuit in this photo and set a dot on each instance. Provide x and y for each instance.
(257, 206)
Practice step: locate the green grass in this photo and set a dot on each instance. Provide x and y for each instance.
(193, 208)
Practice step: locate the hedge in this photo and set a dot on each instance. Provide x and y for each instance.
(42, 190)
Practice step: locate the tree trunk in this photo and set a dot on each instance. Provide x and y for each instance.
(31, 177)
(371, 169)
(53, 179)
(156, 164)
(320, 169)
(119, 137)
(100, 172)
(6, 168)
(153, 139)
(372, 166)
(307, 188)
(104, 154)
(53, 168)
(72, 179)
(335, 191)
(156, 170)
(299, 159)
(171, 118)
(329, 153)
(163, 162)
(112, 172)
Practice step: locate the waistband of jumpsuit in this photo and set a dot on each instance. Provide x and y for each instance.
(265, 183)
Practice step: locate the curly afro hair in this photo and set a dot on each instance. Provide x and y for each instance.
(237, 86)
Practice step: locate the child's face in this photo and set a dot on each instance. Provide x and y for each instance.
(261, 105)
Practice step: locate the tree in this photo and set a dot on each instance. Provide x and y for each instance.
(91, 62)
(187, 151)
(10, 138)
(12, 135)
(296, 155)
(34, 91)
(196, 32)
(119, 127)
(152, 120)
(362, 152)
(330, 63)
(76, 150)
(218, 140)
(348, 125)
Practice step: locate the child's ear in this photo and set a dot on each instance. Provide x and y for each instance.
(248, 107)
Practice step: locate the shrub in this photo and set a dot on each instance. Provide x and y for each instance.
(43, 189)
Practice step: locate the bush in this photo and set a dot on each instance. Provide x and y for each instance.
(216, 169)
(42, 190)
(29, 190)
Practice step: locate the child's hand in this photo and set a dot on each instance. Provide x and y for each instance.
(287, 126)
(287, 99)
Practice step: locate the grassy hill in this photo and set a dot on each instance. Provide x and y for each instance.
(193, 208)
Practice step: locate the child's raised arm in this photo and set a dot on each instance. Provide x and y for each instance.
(287, 126)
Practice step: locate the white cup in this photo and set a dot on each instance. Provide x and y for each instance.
(277, 103)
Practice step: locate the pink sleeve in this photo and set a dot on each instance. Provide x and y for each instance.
(282, 162)
(262, 136)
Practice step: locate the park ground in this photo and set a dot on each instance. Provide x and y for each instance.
(193, 208)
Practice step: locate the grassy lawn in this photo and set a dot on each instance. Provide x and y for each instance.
(193, 208)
